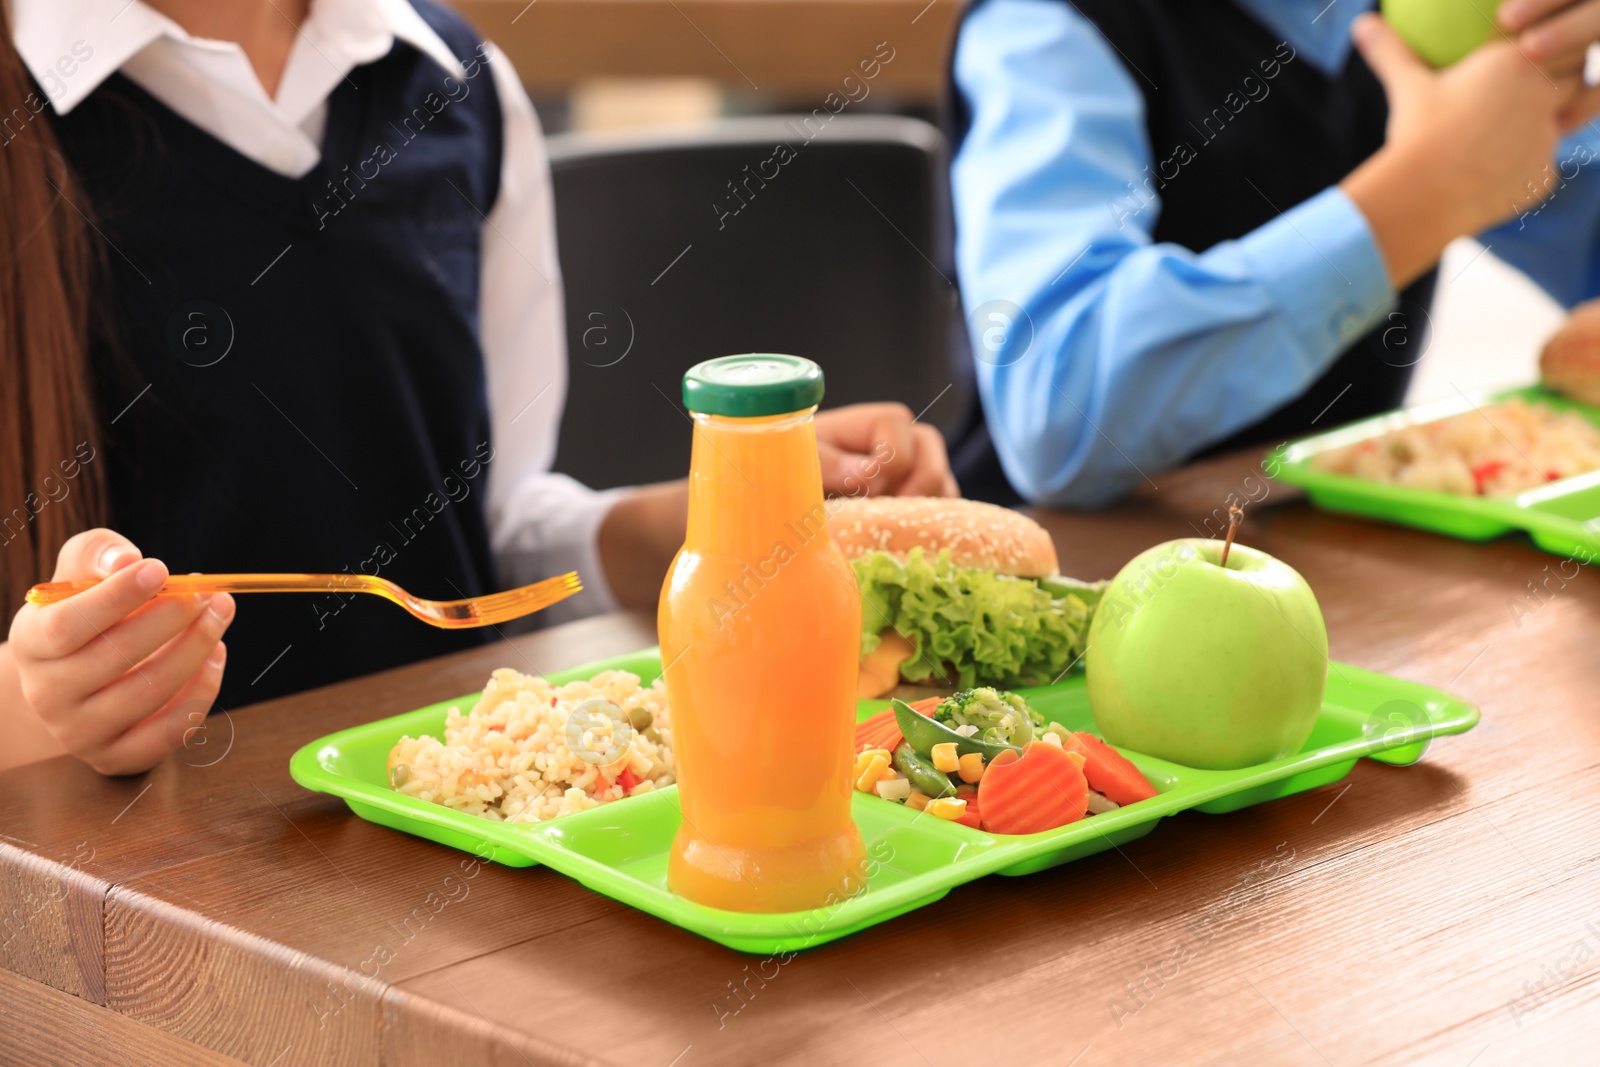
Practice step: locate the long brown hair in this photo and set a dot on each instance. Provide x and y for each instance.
(48, 492)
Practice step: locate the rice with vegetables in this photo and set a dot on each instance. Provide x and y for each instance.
(1495, 452)
(530, 751)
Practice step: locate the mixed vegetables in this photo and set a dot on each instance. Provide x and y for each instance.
(987, 760)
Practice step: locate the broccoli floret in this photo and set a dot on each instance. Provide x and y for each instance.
(1001, 718)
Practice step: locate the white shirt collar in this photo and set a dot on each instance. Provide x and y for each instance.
(71, 46)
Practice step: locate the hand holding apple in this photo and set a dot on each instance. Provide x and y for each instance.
(1464, 148)
(1207, 665)
(1442, 31)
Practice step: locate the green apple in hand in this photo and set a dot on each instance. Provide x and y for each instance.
(1442, 31)
(1205, 665)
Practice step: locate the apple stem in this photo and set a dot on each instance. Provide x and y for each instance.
(1235, 517)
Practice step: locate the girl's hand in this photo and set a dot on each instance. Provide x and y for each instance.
(880, 450)
(1466, 147)
(115, 673)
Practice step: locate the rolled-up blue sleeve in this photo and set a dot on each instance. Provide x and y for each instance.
(1104, 357)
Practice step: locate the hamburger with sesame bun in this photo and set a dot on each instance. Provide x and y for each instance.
(956, 593)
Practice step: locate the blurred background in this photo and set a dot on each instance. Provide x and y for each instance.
(683, 236)
(609, 64)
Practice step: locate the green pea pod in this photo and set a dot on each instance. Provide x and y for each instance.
(924, 777)
(922, 733)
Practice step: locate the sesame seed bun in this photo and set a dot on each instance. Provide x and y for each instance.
(1570, 362)
(980, 536)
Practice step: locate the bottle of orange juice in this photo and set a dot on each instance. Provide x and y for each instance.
(760, 626)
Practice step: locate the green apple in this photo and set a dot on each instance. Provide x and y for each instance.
(1442, 31)
(1205, 665)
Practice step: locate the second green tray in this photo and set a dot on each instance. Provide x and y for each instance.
(621, 849)
(1562, 517)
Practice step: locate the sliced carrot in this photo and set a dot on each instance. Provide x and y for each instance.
(870, 731)
(880, 731)
(875, 731)
(972, 816)
(1039, 790)
(1109, 771)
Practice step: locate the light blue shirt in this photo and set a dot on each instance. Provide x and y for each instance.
(1130, 356)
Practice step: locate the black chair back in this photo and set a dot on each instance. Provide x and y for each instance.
(747, 236)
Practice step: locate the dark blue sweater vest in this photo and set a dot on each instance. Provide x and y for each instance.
(1307, 134)
(289, 370)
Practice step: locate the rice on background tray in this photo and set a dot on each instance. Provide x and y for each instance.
(1492, 452)
(521, 755)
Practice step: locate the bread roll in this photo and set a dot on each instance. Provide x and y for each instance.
(980, 536)
(1570, 362)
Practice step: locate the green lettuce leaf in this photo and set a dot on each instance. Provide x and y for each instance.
(973, 627)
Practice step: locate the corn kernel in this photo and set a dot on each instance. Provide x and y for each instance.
(1052, 739)
(863, 761)
(944, 757)
(970, 767)
(867, 754)
(1077, 757)
(917, 801)
(951, 808)
(876, 767)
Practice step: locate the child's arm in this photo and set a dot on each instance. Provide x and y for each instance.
(1461, 146)
(1104, 356)
(109, 675)
(639, 536)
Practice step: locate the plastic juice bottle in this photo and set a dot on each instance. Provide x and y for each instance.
(760, 627)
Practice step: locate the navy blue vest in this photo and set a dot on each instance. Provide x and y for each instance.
(1308, 134)
(289, 370)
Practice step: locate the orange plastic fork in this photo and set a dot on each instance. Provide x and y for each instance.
(447, 614)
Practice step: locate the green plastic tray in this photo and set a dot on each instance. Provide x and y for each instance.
(620, 849)
(1562, 517)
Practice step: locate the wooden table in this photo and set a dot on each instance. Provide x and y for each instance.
(1445, 913)
(796, 51)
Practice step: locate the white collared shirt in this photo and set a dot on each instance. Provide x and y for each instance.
(541, 523)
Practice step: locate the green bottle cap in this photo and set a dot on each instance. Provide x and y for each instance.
(752, 385)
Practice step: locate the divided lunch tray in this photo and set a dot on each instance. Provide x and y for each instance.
(620, 849)
(1562, 517)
